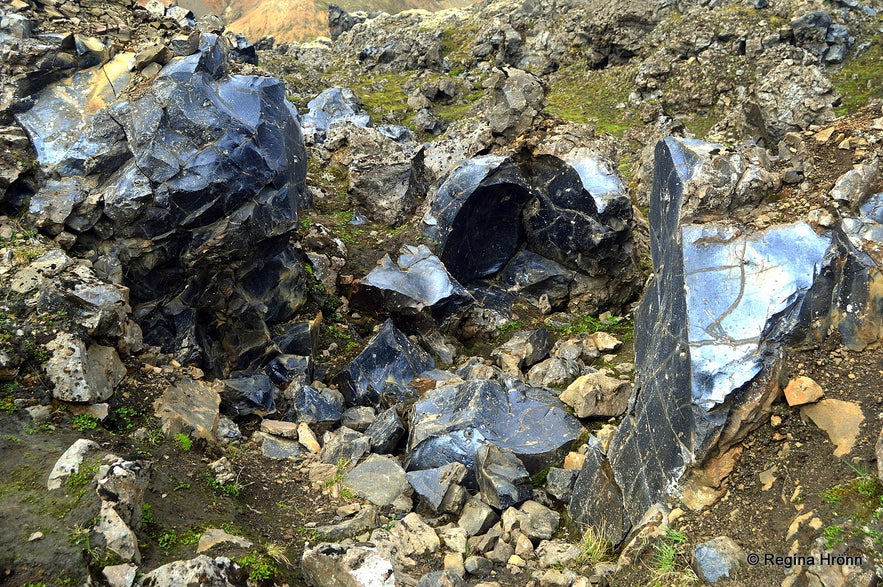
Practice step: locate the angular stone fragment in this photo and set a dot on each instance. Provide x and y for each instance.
(344, 445)
(412, 536)
(560, 482)
(249, 395)
(453, 421)
(274, 447)
(118, 537)
(433, 485)
(803, 390)
(416, 290)
(213, 537)
(189, 407)
(279, 428)
(502, 479)
(379, 479)
(477, 517)
(364, 521)
(718, 558)
(523, 350)
(388, 356)
(83, 375)
(320, 408)
(70, 462)
(597, 500)
(839, 419)
(597, 395)
(386, 431)
(202, 570)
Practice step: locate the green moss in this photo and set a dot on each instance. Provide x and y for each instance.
(591, 96)
(860, 80)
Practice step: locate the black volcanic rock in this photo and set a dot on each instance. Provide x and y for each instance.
(194, 188)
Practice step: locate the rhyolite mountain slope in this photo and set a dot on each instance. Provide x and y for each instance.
(531, 293)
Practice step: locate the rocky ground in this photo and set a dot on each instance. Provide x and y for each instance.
(218, 417)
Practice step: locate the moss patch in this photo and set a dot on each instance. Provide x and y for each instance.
(860, 80)
(592, 97)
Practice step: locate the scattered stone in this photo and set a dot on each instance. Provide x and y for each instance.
(597, 395)
(202, 570)
(502, 479)
(412, 536)
(388, 357)
(307, 438)
(213, 537)
(455, 539)
(434, 485)
(560, 482)
(120, 575)
(83, 375)
(477, 517)
(839, 419)
(454, 564)
(605, 342)
(344, 445)
(557, 578)
(280, 428)
(441, 579)
(365, 520)
(249, 395)
(117, 535)
(535, 520)
(386, 432)
(189, 407)
(274, 447)
(321, 409)
(523, 350)
(556, 553)
(719, 558)
(803, 390)
(70, 462)
(358, 418)
(478, 566)
(379, 479)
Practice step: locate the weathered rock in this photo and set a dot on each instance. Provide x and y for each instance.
(879, 453)
(597, 395)
(523, 350)
(553, 553)
(202, 570)
(454, 538)
(365, 520)
(416, 290)
(535, 520)
(189, 407)
(344, 445)
(502, 479)
(249, 395)
(379, 479)
(803, 390)
(117, 535)
(441, 579)
(388, 357)
(411, 536)
(789, 98)
(274, 447)
(70, 462)
(80, 374)
(285, 369)
(213, 537)
(453, 421)
(553, 372)
(434, 485)
(279, 428)
(856, 185)
(718, 558)
(122, 485)
(120, 575)
(386, 431)
(307, 438)
(709, 324)
(560, 483)
(478, 566)
(839, 419)
(477, 517)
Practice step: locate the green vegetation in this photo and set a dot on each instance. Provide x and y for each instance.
(621, 327)
(183, 441)
(233, 489)
(123, 418)
(594, 547)
(511, 326)
(260, 567)
(83, 422)
(670, 563)
(833, 536)
(81, 478)
(592, 97)
(7, 397)
(147, 516)
(860, 80)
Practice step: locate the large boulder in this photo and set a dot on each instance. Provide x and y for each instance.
(192, 188)
(721, 307)
(492, 207)
(452, 422)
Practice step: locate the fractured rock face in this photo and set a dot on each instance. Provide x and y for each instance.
(388, 358)
(721, 306)
(193, 187)
(453, 421)
(416, 290)
(81, 374)
(489, 208)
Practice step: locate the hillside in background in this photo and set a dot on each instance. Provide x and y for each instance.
(299, 20)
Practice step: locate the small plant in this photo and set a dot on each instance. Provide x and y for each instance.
(594, 547)
(511, 326)
(833, 536)
(669, 563)
(229, 489)
(167, 540)
(81, 478)
(147, 516)
(83, 422)
(183, 441)
(124, 417)
(260, 568)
